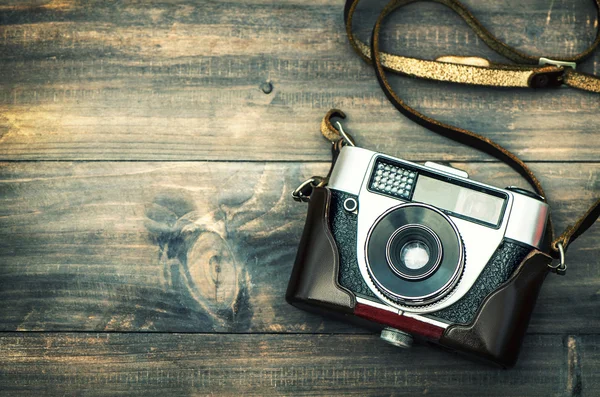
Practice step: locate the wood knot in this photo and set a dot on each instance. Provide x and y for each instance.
(197, 258)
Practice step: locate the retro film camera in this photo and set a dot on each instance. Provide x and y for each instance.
(422, 252)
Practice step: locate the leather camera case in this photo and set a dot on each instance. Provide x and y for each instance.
(495, 333)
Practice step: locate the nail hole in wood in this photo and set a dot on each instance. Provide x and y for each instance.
(266, 87)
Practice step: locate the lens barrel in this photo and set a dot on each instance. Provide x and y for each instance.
(414, 254)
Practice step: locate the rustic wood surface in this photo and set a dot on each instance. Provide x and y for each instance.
(188, 364)
(147, 153)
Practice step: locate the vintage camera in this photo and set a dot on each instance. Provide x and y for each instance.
(424, 252)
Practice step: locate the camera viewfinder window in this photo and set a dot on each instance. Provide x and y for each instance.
(459, 200)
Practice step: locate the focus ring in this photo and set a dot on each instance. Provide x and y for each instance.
(423, 286)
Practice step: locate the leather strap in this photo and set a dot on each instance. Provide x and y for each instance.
(477, 71)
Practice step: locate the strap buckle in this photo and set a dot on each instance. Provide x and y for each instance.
(561, 267)
(564, 64)
(555, 78)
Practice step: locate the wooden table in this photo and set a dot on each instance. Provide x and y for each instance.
(148, 153)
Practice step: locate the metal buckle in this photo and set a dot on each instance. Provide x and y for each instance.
(548, 61)
(561, 267)
(302, 192)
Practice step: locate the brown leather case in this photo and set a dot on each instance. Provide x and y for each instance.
(314, 277)
(497, 332)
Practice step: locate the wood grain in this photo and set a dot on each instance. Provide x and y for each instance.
(147, 153)
(584, 364)
(183, 80)
(191, 364)
(208, 247)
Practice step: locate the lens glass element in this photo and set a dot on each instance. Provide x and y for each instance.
(415, 255)
(413, 251)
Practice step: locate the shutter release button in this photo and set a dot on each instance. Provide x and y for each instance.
(397, 338)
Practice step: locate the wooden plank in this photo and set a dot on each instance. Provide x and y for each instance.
(184, 80)
(584, 360)
(208, 246)
(192, 364)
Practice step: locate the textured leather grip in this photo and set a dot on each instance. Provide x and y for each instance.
(497, 332)
(314, 277)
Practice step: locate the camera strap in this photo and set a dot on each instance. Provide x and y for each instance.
(527, 72)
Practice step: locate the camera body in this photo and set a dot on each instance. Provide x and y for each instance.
(422, 252)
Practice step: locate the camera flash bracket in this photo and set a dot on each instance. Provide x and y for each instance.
(448, 170)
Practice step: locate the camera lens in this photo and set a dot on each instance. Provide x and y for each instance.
(414, 255)
(413, 251)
